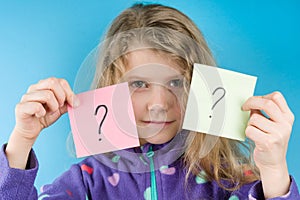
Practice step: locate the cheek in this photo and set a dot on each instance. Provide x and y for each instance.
(178, 107)
(138, 104)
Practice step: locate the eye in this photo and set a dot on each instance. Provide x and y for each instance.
(139, 84)
(176, 83)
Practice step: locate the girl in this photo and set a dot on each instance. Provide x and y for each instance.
(153, 48)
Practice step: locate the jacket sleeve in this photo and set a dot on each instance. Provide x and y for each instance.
(18, 184)
(254, 191)
(70, 185)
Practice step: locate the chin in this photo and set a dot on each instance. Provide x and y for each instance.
(155, 140)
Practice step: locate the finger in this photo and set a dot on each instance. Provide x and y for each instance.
(267, 105)
(63, 109)
(70, 96)
(44, 97)
(60, 88)
(262, 123)
(27, 109)
(50, 84)
(256, 135)
(280, 101)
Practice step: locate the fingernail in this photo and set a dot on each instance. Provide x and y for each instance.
(242, 108)
(76, 101)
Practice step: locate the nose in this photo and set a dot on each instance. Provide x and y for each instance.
(160, 100)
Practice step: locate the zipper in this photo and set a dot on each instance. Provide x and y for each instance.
(150, 155)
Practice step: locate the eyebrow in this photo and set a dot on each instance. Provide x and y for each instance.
(150, 78)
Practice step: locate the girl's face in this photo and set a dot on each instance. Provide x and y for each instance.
(156, 86)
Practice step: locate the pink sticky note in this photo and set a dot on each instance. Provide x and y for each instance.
(104, 121)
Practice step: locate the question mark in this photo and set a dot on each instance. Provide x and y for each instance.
(96, 111)
(218, 88)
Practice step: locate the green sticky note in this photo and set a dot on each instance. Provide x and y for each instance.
(215, 99)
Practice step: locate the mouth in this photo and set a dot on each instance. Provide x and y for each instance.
(158, 122)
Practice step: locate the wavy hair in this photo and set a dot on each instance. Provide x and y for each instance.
(166, 30)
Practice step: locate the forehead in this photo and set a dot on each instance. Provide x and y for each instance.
(151, 64)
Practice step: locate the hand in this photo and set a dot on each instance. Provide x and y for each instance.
(271, 136)
(42, 105)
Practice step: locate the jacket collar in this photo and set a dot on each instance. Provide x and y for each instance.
(136, 159)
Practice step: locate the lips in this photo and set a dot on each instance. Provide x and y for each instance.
(159, 122)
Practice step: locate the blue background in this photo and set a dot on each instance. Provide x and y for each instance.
(39, 39)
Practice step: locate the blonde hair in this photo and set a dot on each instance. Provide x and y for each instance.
(166, 30)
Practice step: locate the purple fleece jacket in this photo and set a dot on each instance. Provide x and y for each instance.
(150, 172)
